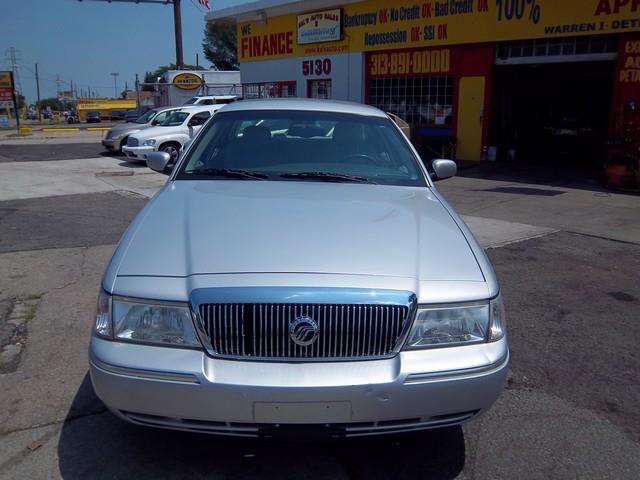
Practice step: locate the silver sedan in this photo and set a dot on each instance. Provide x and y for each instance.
(299, 269)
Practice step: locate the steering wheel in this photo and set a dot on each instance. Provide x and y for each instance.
(361, 159)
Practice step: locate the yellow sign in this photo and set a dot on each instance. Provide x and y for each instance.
(5, 80)
(187, 81)
(104, 104)
(383, 25)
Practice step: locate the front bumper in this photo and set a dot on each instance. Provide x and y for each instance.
(138, 153)
(111, 143)
(187, 390)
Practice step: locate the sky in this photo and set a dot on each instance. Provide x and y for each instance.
(86, 41)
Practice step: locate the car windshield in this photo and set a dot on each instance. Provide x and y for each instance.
(302, 146)
(175, 119)
(147, 117)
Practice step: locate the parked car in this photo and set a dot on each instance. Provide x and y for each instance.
(93, 117)
(170, 135)
(117, 115)
(212, 100)
(117, 135)
(285, 282)
(131, 115)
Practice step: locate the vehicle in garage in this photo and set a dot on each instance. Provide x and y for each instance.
(117, 115)
(170, 135)
(116, 136)
(299, 270)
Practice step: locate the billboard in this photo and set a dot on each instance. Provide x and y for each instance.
(381, 25)
(104, 104)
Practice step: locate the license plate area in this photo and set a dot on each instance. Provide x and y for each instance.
(303, 413)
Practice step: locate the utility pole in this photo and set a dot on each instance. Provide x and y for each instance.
(177, 25)
(137, 94)
(38, 93)
(115, 84)
(197, 60)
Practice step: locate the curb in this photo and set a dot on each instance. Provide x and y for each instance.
(97, 129)
(54, 130)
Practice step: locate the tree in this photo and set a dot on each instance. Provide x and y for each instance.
(220, 45)
(151, 77)
(52, 102)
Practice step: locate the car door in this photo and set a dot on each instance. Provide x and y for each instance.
(197, 121)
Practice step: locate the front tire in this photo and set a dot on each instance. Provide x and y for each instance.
(172, 148)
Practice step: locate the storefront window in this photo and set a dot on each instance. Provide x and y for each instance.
(269, 90)
(422, 101)
(319, 89)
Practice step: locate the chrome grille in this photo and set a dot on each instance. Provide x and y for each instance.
(261, 330)
(132, 142)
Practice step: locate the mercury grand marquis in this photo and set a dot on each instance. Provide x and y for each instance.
(299, 270)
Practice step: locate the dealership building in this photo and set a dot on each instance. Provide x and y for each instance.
(520, 80)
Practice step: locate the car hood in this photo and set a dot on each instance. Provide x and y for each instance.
(237, 226)
(127, 127)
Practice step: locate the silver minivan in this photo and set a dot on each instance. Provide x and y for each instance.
(299, 269)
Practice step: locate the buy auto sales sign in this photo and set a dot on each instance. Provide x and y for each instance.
(320, 27)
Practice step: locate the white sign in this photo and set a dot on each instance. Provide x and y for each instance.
(320, 27)
(6, 103)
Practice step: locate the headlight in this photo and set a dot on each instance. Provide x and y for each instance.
(457, 324)
(145, 322)
(164, 324)
(149, 143)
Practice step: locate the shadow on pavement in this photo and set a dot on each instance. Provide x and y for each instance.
(547, 175)
(94, 443)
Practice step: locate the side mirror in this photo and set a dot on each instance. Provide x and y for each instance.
(158, 162)
(443, 168)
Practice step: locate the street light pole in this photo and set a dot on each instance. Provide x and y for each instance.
(115, 84)
(177, 24)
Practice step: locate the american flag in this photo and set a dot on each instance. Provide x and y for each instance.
(204, 3)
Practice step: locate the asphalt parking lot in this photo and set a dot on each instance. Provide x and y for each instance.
(567, 255)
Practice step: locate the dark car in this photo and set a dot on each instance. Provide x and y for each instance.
(93, 117)
(131, 115)
(118, 115)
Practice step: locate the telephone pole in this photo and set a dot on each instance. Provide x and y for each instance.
(38, 93)
(115, 84)
(12, 58)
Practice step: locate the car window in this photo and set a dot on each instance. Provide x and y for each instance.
(161, 117)
(191, 101)
(175, 118)
(199, 119)
(282, 144)
(147, 117)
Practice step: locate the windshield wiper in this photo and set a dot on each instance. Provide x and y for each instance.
(327, 177)
(228, 172)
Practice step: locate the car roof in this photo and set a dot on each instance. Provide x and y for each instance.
(216, 96)
(201, 108)
(305, 104)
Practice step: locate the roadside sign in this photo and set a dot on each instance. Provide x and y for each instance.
(4, 121)
(7, 94)
(6, 90)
